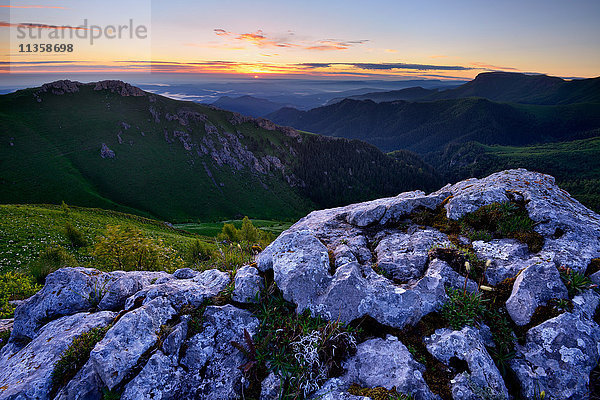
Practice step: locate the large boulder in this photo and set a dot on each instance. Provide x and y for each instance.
(534, 287)
(558, 356)
(28, 373)
(67, 291)
(382, 363)
(125, 343)
(211, 362)
(467, 345)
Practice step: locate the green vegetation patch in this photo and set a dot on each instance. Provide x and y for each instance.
(463, 308)
(15, 286)
(378, 393)
(303, 350)
(4, 336)
(75, 356)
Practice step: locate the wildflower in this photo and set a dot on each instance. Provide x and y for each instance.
(468, 266)
(486, 288)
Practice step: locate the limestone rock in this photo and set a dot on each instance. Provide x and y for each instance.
(248, 284)
(210, 359)
(124, 344)
(467, 345)
(67, 291)
(386, 363)
(535, 286)
(558, 357)
(28, 373)
(404, 256)
(183, 292)
(160, 379)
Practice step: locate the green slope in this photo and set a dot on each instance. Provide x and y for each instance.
(575, 164)
(174, 160)
(25, 230)
(430, 126)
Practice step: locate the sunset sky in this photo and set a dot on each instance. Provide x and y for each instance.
(331, 38)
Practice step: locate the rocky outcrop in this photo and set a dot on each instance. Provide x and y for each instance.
(380, 266)
(119, 87)
(467, 345)
(384, 263)
(27, 374)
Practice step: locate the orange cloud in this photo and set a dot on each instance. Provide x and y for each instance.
(492, 67)
(261, 40)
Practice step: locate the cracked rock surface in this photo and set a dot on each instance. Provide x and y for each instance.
(363, 262)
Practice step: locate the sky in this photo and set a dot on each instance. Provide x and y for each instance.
(321, 39)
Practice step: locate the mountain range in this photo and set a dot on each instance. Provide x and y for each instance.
(494, 108)
(111, 145)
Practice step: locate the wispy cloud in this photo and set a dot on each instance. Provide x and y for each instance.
(287, 40)
(45, 7)
(390, 66)
(492, 67)
(4, 24)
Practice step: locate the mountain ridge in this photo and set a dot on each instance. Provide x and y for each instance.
(104, 144)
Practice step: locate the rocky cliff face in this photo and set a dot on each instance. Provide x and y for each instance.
(391, 266)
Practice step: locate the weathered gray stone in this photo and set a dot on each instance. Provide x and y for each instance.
(160, 379)
(67, 291)
(558, 357)
(182, 292)
(386, 363)
(366, 216)
(134, 334)
(85, 385)
(571, 230)
(121, 285)
(185, 273)
(467, 345)
(172, 343)
(300, 264)
(270, 388)
(28, 373)
(439, 268)
(535, 286)
(6, 324)
(248, 284)
(212, 362)
(586, 303)
(404, 256)
(507, 257)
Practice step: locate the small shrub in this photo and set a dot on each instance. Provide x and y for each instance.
(48, 261)
(574, 281)
(74, 236)
(75, 356)
(127, 249)
(248, 232)
(463, 308)
(4, 336)
(229, 233)
(15, 286)
(108, 394)
(303, 350)
(232, 256)
(198, 252)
